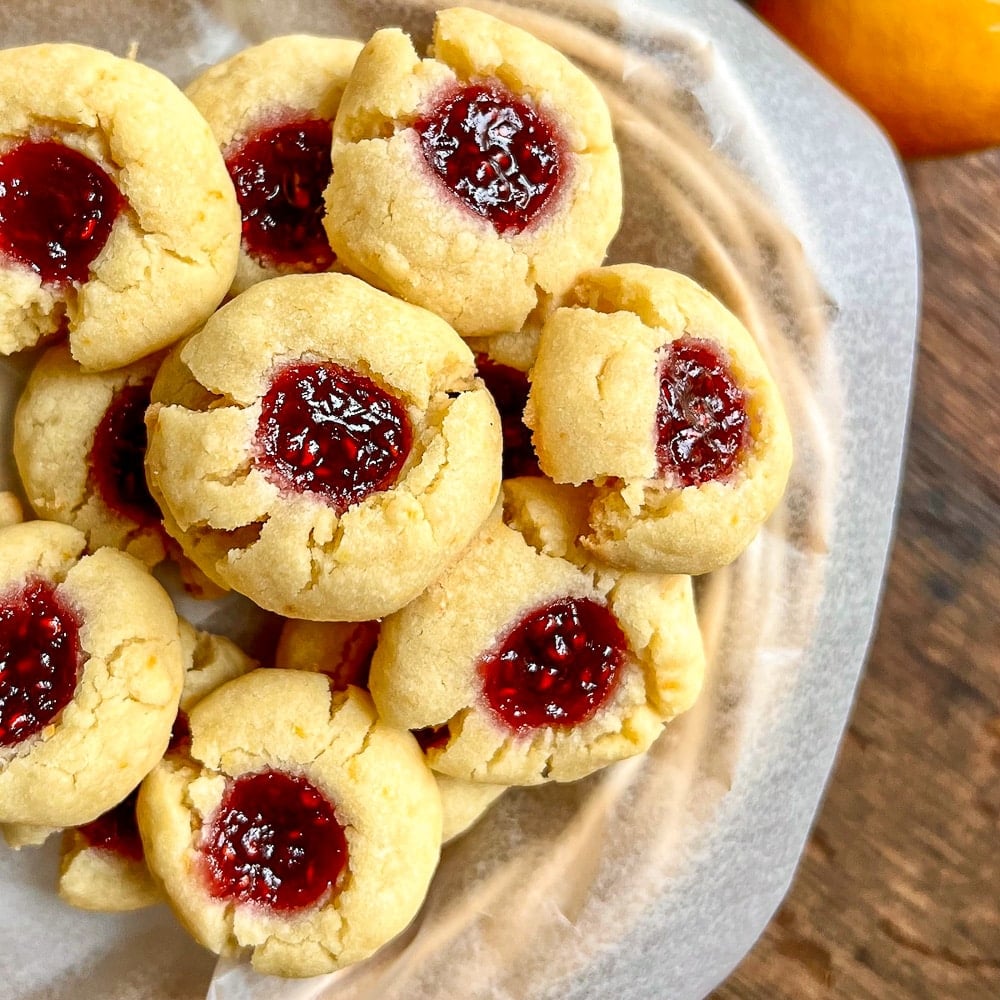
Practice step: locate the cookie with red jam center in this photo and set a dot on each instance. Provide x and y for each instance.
(80, 447)
(119, 226)
(527, 662)
(271, 109)
(297, 824)
(477, 182)
(89, 684)
(323, 448)
(648, 388)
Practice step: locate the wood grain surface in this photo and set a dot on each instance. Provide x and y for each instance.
(898, 894)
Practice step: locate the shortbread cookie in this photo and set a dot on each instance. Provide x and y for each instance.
(343, 651)
(648, 387)
(80, 444)
(330, 450)
(91, 675)
(271, 110)
(477, 182)
(299, 826)
(530, 662)
(118, 220)
(102, 863)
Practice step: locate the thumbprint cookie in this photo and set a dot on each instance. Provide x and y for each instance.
(648, 388)
(477, 182)
(118, 221)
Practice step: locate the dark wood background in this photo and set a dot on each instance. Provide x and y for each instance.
(898, 893)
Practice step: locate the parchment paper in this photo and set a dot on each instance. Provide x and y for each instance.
(652, 879)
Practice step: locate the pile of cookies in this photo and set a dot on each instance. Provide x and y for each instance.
(348, 350)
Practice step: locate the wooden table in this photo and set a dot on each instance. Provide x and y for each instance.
(898, 894)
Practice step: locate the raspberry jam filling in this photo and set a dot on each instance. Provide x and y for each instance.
(495, 152)
(40, 659)
(118, 453)
(57, 208)
(702, 424)
(555, 667)
(509, 389)
(116, 830)
(274, 841)
(280, 173)
(329, 430)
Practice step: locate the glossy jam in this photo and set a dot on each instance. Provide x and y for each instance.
(329, 430)
(57, 208)
(40, 659)
(274, 841)
(509, 388)
(555, 667)
(116, 830)
(703, 428)
(493, 151)
(280, 173)
(118, 453)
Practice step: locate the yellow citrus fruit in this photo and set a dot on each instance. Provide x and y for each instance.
(928, 70)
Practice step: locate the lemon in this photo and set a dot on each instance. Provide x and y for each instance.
(928, 70)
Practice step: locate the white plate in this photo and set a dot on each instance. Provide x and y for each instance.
(653, 879)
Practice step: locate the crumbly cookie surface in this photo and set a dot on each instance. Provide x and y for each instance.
(102, 865)
(593, 410)
(343, 651)
(390, 218)
(291, 551)
(55, 424)
(427, 670)
(171, 253)
(384, 797)
(293, 78)
(118, 722)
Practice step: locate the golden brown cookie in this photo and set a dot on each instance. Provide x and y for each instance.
(646, 386)
(329, 450)
(271, 110)
(298, 826)
(532, 663)
(102, 863)
(477, 182)
(92, 675)
(80, 444)
(118, 220)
